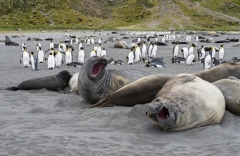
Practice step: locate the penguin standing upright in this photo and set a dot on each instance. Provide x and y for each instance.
(150, 50)
(24, 46)
(202, 52)
(99, 49)
(68, 56)
(190, 50)
(32, 60)
(137, 54)
(88, 42)
(92, 41)
(212, 52)
(93, 53)
(39, 45)
(184, 51)
(80, 56)
(99, 41)
(144, 49)
(50, 60)
(175, 49)
(25, 58)
(221, 53)
(207, 63)
(80, 45)
(131, 56)
(62, 48)
(103, 52)
(58, 59)
(163, 39)
(154, 50)
(51, 45)
(190, 59)
(40, 55)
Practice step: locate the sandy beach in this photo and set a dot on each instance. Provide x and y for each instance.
(42, 122)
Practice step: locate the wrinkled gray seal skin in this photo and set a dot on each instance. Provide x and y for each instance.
(185, 102)
(55, 83)
(93, 88)
(231, 91)
(9, 42)
(121, 44)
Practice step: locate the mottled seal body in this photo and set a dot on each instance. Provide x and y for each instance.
(55, 83)
(186, 102)
(140, 91)
(231, 92)
(95, 81)
(121, 44)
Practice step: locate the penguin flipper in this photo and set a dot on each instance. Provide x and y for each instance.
(14, 88)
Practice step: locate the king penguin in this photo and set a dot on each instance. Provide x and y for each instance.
(154, 50)
(25, 58)
(150, 50)
(144, 49)
(184, 51)
(103, 52)
(51, 61)
(190, 59)
(68, 56)
(40, 55)
(99, 49)
(81, 55)
(131, 56)
(175, 49)
(32, 60)
(58, 59)
(190, 50)
(93, 53)
(207, 64)
(221, 53)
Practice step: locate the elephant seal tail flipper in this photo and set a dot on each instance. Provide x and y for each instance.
(14, 88)
(104, 102)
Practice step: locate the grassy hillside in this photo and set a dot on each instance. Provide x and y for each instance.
(121, 14)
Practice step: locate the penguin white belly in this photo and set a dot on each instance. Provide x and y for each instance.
(32, 62)
(68, 58)
(58, 60)
(81, 56)
(25, 59)
(144, 49)
(154, 52)
(207, 62)
(130, 58)
(103, 53)
(40, 56)
(221, 54)
(99, 51)
(93, 53)
(203, 54)
(190, 59)
(50, 62)
(175, 50)
(185, 52)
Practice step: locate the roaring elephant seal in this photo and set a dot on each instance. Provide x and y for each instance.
(186, 101)
(9, 42)
(94, 81)
(55, 82)
(145, 89)
(231, 92)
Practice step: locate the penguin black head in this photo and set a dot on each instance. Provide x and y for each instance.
(32, 53)
(82, 48)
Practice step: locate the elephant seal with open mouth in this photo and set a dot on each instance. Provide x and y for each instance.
(186, 101)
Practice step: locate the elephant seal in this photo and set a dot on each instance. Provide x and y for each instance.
(186, 101)
(9, 42)
(121, 44)
(230, 89)
(140, 91)
(55, 83)
(145, 89)
(94, 81)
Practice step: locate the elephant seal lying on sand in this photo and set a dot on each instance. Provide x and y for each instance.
(95, 82)
(145, 89)
(55, 83)
(231, 91)
(186, 102)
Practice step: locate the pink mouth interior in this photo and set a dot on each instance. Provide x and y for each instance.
(97, 68)
(163, 114)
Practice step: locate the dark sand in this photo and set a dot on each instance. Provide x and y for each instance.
(42, 122)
